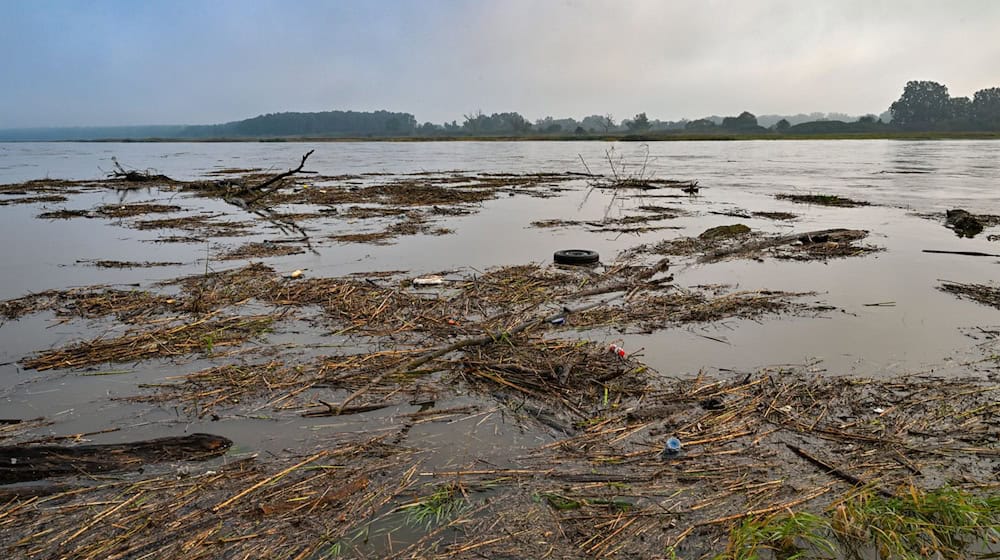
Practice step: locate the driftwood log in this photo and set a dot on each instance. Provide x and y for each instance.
(23, 463)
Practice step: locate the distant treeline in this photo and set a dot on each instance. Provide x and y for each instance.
(923, 107)
(326, 123)
(928, 106)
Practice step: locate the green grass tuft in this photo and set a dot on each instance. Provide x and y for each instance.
(437, 507)
(943, 523)
(788, 536)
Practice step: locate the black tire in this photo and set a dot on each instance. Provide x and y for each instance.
(576, 257)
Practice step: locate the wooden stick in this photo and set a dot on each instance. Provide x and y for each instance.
(964, 253)
(764, 511)
(268, 480)
(830, 469)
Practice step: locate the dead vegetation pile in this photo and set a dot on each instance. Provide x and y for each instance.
(129, 306)
(64, 214)
(58, 187)
(410, 223)
(622, 462)
(738, 241)
(110, 210)
(136, 209)
(503, 301)
(396, 205)
(775, 215)
(306, 507)
(979, 293)
(261, 250)
(41, 199)
(102, 263)
(602, 485)
(166, 341)
(692, 306)
(822, 200)
(446, 188)
(637, 223)
(230, 385)
(205, 226)
(16, 428)
(775, 442)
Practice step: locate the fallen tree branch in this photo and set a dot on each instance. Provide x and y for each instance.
(262, 189)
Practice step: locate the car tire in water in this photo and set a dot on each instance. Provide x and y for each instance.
(576, 257)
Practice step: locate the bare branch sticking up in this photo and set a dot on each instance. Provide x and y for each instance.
(266, 187)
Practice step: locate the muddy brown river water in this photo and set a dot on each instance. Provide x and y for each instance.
(878, 315)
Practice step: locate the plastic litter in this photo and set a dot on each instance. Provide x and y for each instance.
(671, 448)
(558, 321)
(615, 349)
(296, 274)
(428, 281)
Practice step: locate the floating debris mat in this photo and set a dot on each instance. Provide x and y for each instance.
(979, 293)
(738, 241)
(169, 340)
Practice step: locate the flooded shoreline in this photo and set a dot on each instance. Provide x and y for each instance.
(291, 322)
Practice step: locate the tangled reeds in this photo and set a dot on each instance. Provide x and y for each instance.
(255, 250)
(822, 200)
(170, 339)
(979, 293)
(203, 225)
(610, 489)
(602, 488)
(738, 241)
(92, 302)
(570, 457)
(311, 506)
(491, 302)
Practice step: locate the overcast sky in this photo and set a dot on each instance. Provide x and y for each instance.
(122, 62)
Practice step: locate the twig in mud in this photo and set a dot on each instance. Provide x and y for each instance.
(839, 473)
(267, 481)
